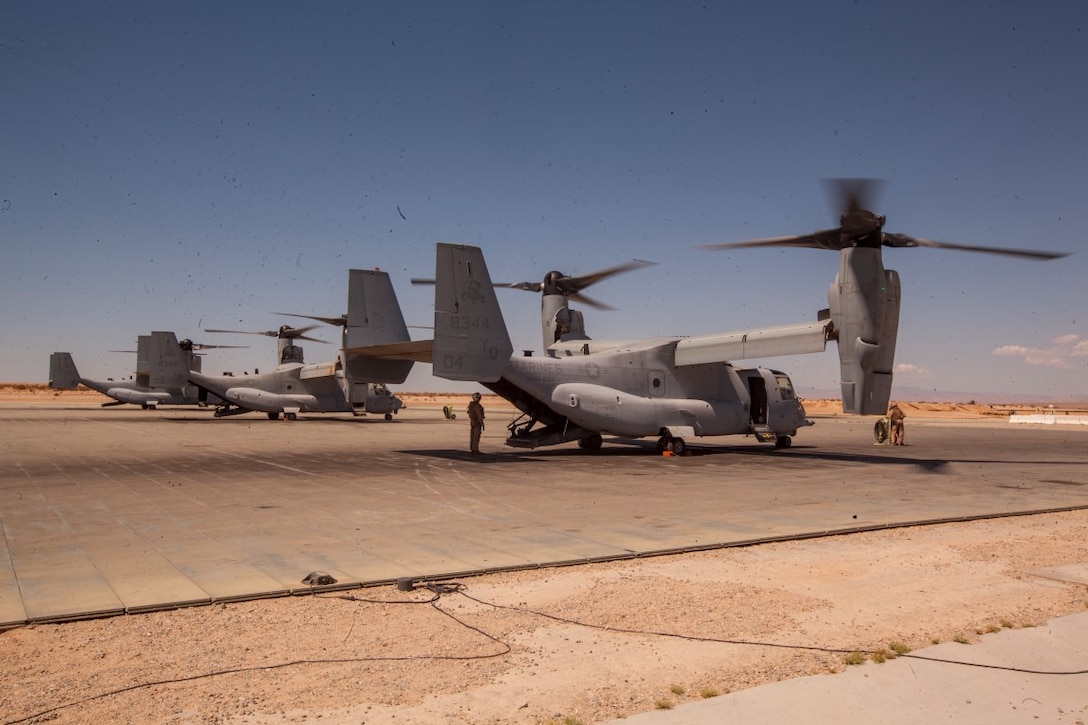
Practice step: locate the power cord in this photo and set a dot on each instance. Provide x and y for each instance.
(758, 643)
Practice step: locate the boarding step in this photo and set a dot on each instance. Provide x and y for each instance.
(763, 434)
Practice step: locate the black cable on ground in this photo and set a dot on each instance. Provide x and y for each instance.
(437, 589)
(756, 643)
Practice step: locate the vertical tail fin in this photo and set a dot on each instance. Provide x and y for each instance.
(374, 318)
(167, 364)
(470, 337)
(143, 360)
(62, 371)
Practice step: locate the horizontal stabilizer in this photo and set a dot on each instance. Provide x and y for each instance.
(470, 337)
(415, 351)
(796, 339)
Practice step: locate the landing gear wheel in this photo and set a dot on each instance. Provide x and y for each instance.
(273, 416)
(678, 446)
(662, 444)
(389, 416)
(783, 442)
(290, 416)
(591, 442)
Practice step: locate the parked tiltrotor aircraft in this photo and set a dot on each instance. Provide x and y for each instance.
(159, 355)
(677, 388)
(337, 386)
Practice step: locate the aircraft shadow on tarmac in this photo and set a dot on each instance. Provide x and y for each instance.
(630, 448)
(305, 419)
(619, 448)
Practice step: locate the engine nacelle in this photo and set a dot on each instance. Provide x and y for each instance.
(266, 402)
(864, 305)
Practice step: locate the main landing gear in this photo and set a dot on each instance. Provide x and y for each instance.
(669, 443)
(591, 442)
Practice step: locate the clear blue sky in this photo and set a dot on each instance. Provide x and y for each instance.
(180, 166)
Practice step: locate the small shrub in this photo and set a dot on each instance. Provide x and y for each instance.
(960, 639)
(1006, 624)
(708, 692)
(677, 690)
(854, 658)
(663, 705)
(899, 648)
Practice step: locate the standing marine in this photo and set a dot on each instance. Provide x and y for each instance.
(476, 422)
(895, 419)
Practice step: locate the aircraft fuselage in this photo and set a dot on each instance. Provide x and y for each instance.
(638, 392)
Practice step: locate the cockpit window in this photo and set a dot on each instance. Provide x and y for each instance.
(785, 387)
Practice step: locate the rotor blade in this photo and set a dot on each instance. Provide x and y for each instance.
(903, 240)
(335, 321)
(580, 282)
(202, 346)
(268, 333)
(287, 332)
(297, 334)
(586, 300)
(826, 239)
(524, 286)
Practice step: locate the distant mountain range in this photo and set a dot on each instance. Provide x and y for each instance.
(925, 395)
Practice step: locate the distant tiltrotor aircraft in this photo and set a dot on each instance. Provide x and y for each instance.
(347, 384)
(160, 356)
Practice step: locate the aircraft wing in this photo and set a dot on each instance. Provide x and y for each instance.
(317, 370)
(414, 351)
(799, 339)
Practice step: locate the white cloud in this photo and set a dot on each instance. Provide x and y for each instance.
(1059, 355)
(909, 369)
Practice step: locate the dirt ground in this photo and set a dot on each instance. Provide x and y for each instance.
(569, 645)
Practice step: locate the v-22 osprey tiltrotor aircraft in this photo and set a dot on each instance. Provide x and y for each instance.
(338, 386)
(677, 388)
(672, 388)
(160, 356)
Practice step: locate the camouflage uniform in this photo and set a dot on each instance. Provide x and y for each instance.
(895, 418)
(476, 423)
